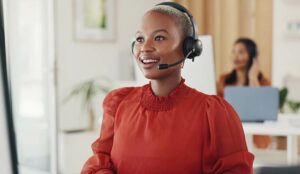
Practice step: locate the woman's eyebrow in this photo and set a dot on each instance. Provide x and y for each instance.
(160, 30)
(156, 31)
(138, 32)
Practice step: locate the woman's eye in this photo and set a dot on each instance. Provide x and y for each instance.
(139, 39)
(159, 38)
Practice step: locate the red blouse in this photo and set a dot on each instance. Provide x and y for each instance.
(187, 132)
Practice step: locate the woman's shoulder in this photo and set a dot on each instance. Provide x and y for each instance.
(222, 80)
(221, 83)
(218, 109)
(206, 98)
(120, 93)
(264, 81)
(116, 96)
(224, 76)
(216, 102)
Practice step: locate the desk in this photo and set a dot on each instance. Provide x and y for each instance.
(285, 126)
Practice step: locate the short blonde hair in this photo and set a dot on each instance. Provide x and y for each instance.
(182, 19)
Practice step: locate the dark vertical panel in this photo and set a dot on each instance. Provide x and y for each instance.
(7, 96)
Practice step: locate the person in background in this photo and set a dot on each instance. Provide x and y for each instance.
(245, 73)
(165, 126)
(245, 67)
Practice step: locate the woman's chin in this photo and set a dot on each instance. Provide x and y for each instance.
(150, 76)
(154, 75)
(237, 67)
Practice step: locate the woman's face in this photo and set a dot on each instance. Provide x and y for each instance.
(240, 56)
(158, 41)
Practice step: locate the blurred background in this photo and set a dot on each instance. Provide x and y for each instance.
(63, 56)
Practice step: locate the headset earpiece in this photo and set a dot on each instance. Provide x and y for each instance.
(132, 47)
(190, 43)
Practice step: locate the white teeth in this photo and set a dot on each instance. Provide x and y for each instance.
(149, 61)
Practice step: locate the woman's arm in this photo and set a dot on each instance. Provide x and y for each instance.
(253, 74)
(221, 85)
(100, 162)
(224, 148)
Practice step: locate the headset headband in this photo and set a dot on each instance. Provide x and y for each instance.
(183, 10)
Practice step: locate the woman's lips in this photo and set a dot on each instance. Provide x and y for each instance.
(237, 62)
(148, 62)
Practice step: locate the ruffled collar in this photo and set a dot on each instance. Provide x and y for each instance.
(162, 103)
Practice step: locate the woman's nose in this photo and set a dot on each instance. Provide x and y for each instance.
(235, 56)
(147, 45)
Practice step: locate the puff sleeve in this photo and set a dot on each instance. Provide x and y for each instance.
(100, 162)
(225, 150)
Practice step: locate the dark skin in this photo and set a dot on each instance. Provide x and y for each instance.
(159, 40)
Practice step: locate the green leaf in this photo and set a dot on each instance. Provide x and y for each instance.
(282, 97)
(294, 105)
(87, 90)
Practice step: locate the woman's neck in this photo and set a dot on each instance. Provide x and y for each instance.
(163, 87)
(241, 75)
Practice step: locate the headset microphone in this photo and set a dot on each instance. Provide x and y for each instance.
(166, 66)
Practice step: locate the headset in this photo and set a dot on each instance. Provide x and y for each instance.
(192, 46)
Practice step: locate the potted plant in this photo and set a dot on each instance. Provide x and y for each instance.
(87, 91)
(282, 98)
(294, 105)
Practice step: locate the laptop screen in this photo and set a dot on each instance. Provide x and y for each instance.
(254, 104)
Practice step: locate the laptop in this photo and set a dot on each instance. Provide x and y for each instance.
(254, 104)
(279, 170)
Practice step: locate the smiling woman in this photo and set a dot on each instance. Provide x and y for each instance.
(166, 126)
(158, 42)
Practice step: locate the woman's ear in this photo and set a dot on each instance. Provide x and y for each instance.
(182, 65)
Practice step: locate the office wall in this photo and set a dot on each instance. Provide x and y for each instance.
(228, 20)
(286, 46)
(78, 61)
